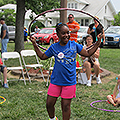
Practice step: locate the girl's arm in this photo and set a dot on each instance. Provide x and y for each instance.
(96, 54)
(40, 54)
(115, 91)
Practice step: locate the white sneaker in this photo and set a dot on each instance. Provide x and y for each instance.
(89, 81)
(98, 79)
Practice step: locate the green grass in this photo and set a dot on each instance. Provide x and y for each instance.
(26, 103)
(110, 59)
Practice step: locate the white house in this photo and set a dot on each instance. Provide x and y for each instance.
(104, 9)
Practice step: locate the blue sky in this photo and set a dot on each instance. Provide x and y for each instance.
(116, 4)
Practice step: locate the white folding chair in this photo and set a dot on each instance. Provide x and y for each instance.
(26, 54)
(50, 69)
(13, 56)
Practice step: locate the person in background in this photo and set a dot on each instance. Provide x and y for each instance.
(36, 29)
(73, 27)
(4, 36)
(115, 98)
(25, 34)
(95, 29)
(92, 61)
(4, 71)
(64, 52)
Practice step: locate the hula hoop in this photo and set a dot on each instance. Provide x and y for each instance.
(60, 9)
(3, 99)
(91, 104)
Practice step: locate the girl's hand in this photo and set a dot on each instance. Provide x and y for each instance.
(99, 36)
(32, 39)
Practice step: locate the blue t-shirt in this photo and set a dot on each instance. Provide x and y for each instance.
(64, 72)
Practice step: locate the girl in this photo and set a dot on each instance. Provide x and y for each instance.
(88, 63)
(63, 78)
(115, 100)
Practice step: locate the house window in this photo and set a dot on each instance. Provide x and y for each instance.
(75, 5)
(68, 5)
(108, 23)
(105, 9)
(82, 22)
(72, 5)
(57, 20)
(86, 22)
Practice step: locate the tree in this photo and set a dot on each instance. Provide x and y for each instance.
(36, 6)
(116, 21)
(9, 15)
(4, 2)
(39, 6)
(20, 17)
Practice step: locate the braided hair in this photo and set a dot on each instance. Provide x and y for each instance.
(59, 25)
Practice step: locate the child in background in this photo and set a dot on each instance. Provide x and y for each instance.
(63, 78)
(4, 71)
(115, 98)
(91, 62)
(25, 34)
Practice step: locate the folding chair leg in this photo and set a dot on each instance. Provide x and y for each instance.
(48, 78)
(47, 81)
(23, 77)
(42, 74)
(28, 75)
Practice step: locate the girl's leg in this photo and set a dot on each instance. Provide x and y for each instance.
(87, 66)
(109, 97)
(50, 106)
(66, 111)
(117, 101)
(5, 75)
(96, 68)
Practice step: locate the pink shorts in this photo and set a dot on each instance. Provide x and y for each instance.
(66, 92)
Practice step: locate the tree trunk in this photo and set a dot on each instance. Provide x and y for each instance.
(19, 33)
(63, 13)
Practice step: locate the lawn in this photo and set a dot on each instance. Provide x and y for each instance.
(26, 103)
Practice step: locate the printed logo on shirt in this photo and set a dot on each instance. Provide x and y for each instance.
(60, 55)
